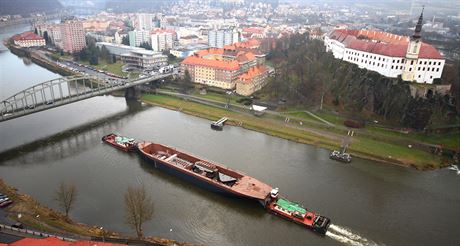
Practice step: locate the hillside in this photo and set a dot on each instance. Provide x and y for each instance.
(24, 7)
(305, 72)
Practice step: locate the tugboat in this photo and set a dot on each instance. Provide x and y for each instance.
(123, 143)
(292, 211)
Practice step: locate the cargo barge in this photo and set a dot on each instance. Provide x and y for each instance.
(207, 174)
(120, 142)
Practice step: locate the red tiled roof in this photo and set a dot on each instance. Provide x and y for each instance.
(26, 36)
(163, 31)
(253, 30)
(250, 44)
(252, 73)
(92, 243)
(49, 241)
(224, 65)
(52, 241)
(381, 43)
(245, 56)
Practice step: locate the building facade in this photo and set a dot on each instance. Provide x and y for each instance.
(388, 54)
(218, 67)
(137, 37)
(220, 38)
(143, 59)
(117, 49)
(72, 36)
(162, 40)
(144, 21)
(251, 81)
(28, 39)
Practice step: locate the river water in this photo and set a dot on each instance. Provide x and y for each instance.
(369, 203)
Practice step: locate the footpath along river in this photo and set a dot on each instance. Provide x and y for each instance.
(369, 203)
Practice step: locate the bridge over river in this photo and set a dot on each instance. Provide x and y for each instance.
(61, 91)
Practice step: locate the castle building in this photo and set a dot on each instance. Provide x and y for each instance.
(388, 54)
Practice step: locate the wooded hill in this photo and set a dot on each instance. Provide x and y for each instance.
(305, 72)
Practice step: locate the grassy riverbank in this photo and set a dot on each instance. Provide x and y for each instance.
(362, 146)
(43, 219)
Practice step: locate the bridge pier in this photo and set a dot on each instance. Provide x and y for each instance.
(133, 92)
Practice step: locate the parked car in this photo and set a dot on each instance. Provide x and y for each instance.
(18, 225)
(4, 199)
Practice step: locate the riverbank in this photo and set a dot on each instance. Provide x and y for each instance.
(361, 146)
(44, 219)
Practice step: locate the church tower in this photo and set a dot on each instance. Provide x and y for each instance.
(413, 50)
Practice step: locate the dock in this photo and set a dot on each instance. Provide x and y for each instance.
(219, 125)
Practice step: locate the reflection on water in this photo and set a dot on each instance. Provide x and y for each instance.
(78, 139)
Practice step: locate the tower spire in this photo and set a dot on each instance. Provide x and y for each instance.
(418, 27)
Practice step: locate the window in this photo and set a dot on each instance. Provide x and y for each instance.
(437, 69)
(423, 69)
(392, 67)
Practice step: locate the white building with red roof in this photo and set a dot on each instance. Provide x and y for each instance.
(28, 39)
(388, 54)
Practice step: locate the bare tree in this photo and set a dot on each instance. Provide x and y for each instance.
(66, 194)
(138, 208)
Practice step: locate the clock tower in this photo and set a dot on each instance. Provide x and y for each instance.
(413, 50)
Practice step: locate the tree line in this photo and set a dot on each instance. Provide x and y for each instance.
(94, 54)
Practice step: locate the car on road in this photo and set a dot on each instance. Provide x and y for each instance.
(31, 106)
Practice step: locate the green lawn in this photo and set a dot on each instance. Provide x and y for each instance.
(363, 145)
(114, 68)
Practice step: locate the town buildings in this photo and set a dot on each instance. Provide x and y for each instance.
(388, 54)
(225, 68)
(68, 35)
(28, 39)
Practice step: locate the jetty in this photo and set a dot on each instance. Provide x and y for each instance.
(219, 125)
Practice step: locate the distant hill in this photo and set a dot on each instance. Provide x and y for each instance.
(137, 5)
(24, 7)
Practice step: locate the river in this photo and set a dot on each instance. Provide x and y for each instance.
(369, 203)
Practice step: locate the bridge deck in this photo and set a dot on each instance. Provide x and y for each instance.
(62, 91)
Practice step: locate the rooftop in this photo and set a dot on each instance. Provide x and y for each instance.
(252, 73)
(381, 43)
(26, 36)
